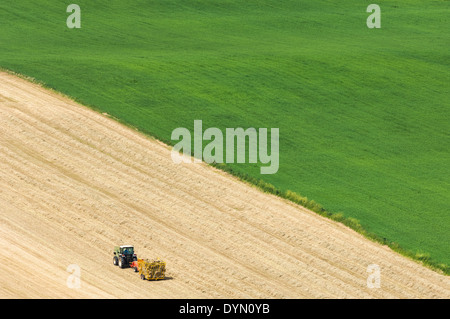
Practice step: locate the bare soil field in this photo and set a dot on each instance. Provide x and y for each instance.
(74, 183)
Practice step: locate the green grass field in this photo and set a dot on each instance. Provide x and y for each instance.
(363, 113)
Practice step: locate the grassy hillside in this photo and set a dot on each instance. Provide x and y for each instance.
(363, 113)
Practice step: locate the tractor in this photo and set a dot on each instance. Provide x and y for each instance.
(124, 256)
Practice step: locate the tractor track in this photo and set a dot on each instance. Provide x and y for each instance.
(74, 183)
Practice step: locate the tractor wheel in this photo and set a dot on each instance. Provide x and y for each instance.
(121, 263)
(115, 261)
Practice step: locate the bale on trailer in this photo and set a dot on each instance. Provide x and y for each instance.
(151, 269)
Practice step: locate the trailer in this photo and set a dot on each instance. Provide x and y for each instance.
(150, 269)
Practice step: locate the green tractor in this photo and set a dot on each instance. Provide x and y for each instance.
(124, 256)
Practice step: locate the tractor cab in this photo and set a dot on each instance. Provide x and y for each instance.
(127, 250)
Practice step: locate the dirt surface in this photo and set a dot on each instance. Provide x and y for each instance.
(74, 183)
